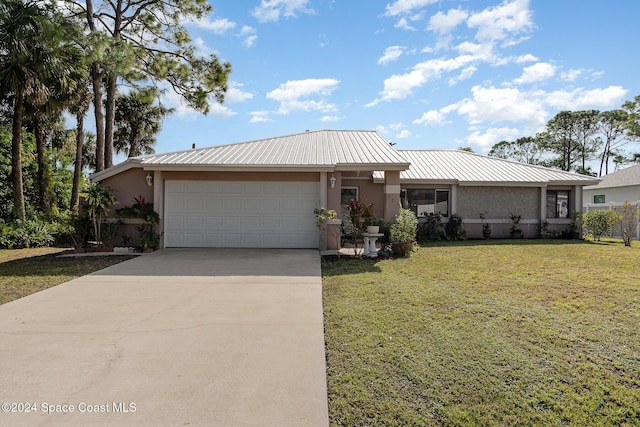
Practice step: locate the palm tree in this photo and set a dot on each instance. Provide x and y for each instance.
(35, 60)
(138, 121)
(79, 109)
(98, 199)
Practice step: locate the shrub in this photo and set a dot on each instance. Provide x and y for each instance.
(454, 228)
(31, 233)
(629, 215)
(599, 223)
(404, 227)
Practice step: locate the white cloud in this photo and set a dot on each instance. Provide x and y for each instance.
(271, 10)
(404, 134)
(502, 104)
(533, 108)
(465, 74)
(536, 72)
(392, 53)
(526, 58)
(443, 23)
(201, 47)
(259, 117)
(291, 95)
(234, 93)
(331, 118)
(580, 99)
(570, 75)
(400, 7)
(502, 21)
(401, 86)
(218, 26)
(404, 24)
(249, 35)
(492, 136)
(431, 117)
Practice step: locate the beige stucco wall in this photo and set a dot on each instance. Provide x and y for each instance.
(127, 185)
(499, 203)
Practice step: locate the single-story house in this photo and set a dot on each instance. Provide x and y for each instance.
(262, 193)
(615, 187)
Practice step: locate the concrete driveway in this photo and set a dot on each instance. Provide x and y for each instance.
(198, 337)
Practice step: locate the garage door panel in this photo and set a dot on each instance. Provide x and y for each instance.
(241, 214)
(196, 222)
(231, 205)
(252, 205)
(213, 222)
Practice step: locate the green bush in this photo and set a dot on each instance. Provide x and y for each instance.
(404, 227)
(31, 233)
(599, 223)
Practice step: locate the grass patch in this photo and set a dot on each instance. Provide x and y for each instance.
(486, 333)
(26, 271)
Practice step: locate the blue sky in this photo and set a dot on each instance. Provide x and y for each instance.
(424, 73)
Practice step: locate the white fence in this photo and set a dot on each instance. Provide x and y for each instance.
(617, 232)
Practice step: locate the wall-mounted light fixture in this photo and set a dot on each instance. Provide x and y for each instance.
(149, 179)
(333, 180)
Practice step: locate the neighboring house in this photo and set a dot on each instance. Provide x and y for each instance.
(262, 193)
(615, 187)
(611, 193)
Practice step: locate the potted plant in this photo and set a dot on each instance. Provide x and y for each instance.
(432, 226)
(403, 231)
(486, 227)
(323, 215)
(516, 231)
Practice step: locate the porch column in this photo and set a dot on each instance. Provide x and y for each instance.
(454, 199)
(543, 204)
(391, 194)
(158, 203)
(323, 190)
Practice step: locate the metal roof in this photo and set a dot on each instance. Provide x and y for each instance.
(466, 168)
(622, 178)
(314, 150)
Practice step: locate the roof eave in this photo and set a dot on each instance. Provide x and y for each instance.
(239, 168)
(114, 170)
(372, 167)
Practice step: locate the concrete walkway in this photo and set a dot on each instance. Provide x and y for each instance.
(197, 337)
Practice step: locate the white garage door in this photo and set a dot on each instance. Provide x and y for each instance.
(242, 214)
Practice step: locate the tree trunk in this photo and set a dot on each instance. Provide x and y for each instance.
(96, 76)
(110, 120)
(43, 175)
(77, 170)
(16, 157)
(134, 145)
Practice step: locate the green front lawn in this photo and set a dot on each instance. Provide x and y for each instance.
(489, 333)
(25, 271)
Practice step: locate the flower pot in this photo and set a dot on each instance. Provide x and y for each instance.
(373, 229)
(400, 249)
(517, 234)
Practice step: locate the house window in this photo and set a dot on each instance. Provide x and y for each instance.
(598, 198)
(424, 201)
(558, 204)
(347, 194)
